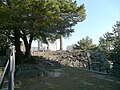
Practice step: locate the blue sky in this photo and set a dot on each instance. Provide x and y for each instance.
(101, 16)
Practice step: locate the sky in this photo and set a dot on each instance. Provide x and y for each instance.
(101, 16)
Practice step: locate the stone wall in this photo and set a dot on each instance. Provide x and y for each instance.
(93, 60)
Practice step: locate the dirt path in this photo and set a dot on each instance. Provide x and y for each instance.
(71, 79)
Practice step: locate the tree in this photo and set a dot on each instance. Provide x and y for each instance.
(106, 42)
(3, 44)
(61, 43)
(84, 44)
(33, 19)
(116, 51)
(4, 34)
(106, 45)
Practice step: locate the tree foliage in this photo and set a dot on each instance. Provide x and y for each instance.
(116, 51)
(110, 45)
(34, 19)
(106, 42)
(84, 44)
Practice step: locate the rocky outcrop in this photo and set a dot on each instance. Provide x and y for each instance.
(73, 59)
(92, 60)
(85, 59)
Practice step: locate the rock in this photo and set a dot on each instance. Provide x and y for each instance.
(78, 58)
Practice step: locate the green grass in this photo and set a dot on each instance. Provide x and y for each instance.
(1, 69)
(71, 79)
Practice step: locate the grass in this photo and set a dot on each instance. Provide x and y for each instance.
(71, 79)
(1, 69)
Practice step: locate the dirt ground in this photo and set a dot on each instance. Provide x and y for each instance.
(71, 79)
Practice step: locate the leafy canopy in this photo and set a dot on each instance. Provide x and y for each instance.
(41, 18)
(84, 44)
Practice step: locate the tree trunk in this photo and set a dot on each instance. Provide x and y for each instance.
(27, 52)
(28, 47)
(38, 45)
(17, 45)
(8, 2)
(61, 43)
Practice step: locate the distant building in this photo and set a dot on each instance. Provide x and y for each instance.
(22, 46)
(43, 47)
(70, 47)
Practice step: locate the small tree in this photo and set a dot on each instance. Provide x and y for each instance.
(106, 42)
(84, 44)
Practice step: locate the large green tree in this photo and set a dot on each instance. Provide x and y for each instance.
(110, 45)
(34, 19)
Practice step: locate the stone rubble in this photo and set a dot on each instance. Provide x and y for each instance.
(93, 60)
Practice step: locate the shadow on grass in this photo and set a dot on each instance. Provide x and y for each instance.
(70, 79)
